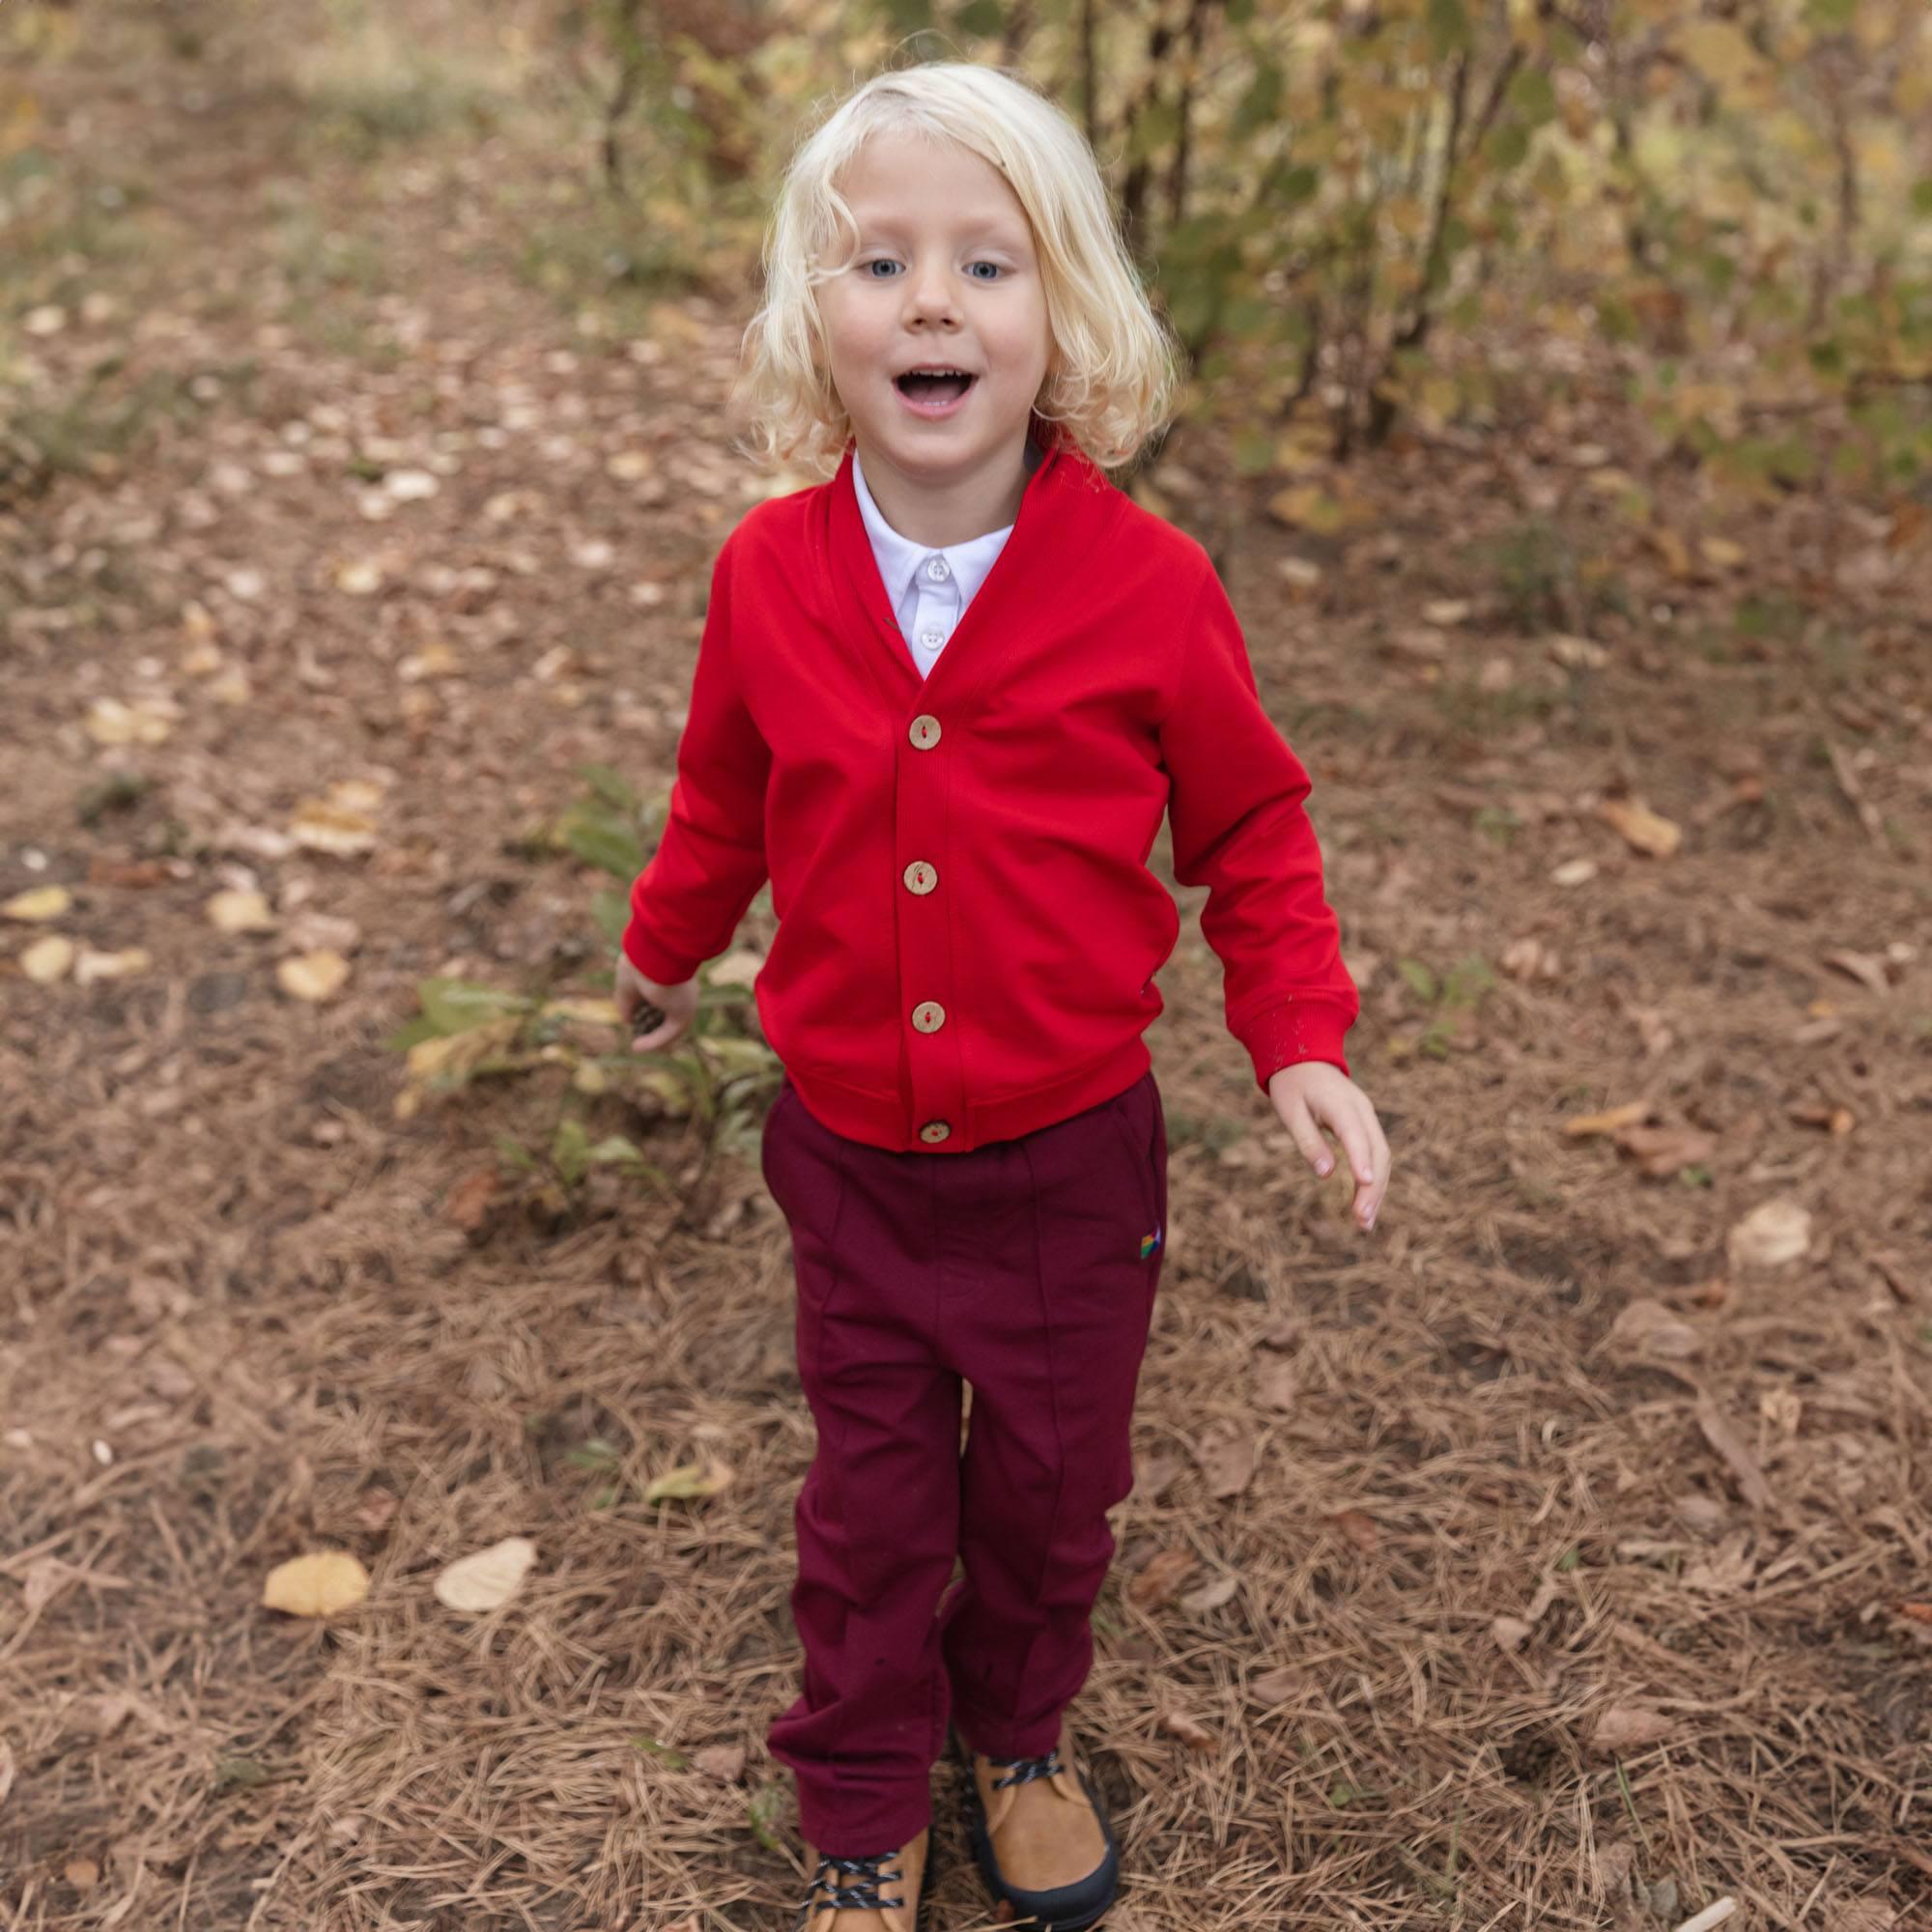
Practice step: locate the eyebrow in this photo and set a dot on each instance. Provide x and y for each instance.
(1001, 227)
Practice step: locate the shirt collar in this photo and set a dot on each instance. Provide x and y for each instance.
(899, 557)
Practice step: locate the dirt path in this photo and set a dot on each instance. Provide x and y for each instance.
(1580, 1577)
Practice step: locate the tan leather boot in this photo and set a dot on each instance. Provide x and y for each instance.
(1044, 1841)
(877, 1893)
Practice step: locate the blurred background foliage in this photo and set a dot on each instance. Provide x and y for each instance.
(1358, 214)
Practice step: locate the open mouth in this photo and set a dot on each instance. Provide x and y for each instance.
(934, 388)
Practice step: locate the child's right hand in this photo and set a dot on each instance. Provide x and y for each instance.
(675, 1007)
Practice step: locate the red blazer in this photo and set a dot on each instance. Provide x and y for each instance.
(968, 933)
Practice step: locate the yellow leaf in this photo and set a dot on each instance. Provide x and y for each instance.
(325, 826)
(48, 959)
(688, 1481)
(322, 1584)
(241, 912)
(109, 722)
(601, 1012)
(1625, 1116)
(313, 975)
(488, 1579)
(39, 903)
(1642, 828)
(1722, 552)
(1309, 507)
(93, 965)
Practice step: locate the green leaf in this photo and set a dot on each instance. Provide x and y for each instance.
(1261, 104)
(602, 835)
(761, 1808)
(570, 1150)
(1448, 26)
(1420, 978)
(675, 1759)
(609, 785)
(611, 909)
(455, 1006)
(614, 1147)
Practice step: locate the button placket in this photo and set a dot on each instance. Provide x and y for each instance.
(924, 957)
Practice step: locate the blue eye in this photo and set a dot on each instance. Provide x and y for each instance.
(881, 263)
(994, 266)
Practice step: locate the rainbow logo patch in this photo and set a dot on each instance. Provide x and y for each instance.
(1149, 1243)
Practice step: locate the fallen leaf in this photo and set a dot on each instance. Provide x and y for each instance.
(39, 903)
(1573, 872)
(1194, 1735)
(488, 1579)
(1361, 1529)
(1728, 1444)
(1642, 828)
(1152, 1474)
(240, 912)
(47, 960)
(1210, 1596)
(1509, 1631)
(147, 721)
(1625, 1116)
(1272, 1686)
(1650, 1328)
(1226, 1459)
(83, 1874)
(1662, 1151)
(689, 1482)
(1774, 1232)
(1161, 1579)
(466, 1205)
(724, 1762)
(321, 1584)
(1864, 967)
(1278, 1384)
(314, 977)
(91, 965)
(1628, 1727)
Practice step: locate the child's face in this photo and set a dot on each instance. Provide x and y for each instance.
(945, 276)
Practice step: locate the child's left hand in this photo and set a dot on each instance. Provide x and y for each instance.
(1313, 1093)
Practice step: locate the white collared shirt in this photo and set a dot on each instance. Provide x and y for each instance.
(928, 589)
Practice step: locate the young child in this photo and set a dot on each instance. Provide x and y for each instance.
(942, 701)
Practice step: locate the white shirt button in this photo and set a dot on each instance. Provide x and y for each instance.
(932, 640)
(937, 568)
(934, 1131)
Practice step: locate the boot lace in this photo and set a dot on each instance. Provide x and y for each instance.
(1024, 1770)
(850, 1884)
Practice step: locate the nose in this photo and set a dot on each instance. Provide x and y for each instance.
(929, 292)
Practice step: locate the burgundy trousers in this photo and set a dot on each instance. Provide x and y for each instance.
(1027, 1269)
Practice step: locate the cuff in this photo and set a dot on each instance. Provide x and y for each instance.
(653, 961)
(1292, 1032)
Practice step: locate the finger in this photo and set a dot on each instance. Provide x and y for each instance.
(1307, 1135)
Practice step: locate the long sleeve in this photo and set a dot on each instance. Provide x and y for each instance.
(1236, 808)
(710, 862)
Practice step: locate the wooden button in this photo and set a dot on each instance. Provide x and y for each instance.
(919, 877)
(934, 1131)
(928, 1017)
(925, 732)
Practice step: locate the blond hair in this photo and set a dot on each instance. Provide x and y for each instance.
(1111, 369)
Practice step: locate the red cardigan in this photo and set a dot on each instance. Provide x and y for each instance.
(968, 932)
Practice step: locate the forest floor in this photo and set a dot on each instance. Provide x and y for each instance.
(1557, 1556)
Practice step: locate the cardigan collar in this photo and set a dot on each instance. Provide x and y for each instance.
(899, 557)
(1054, 522)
